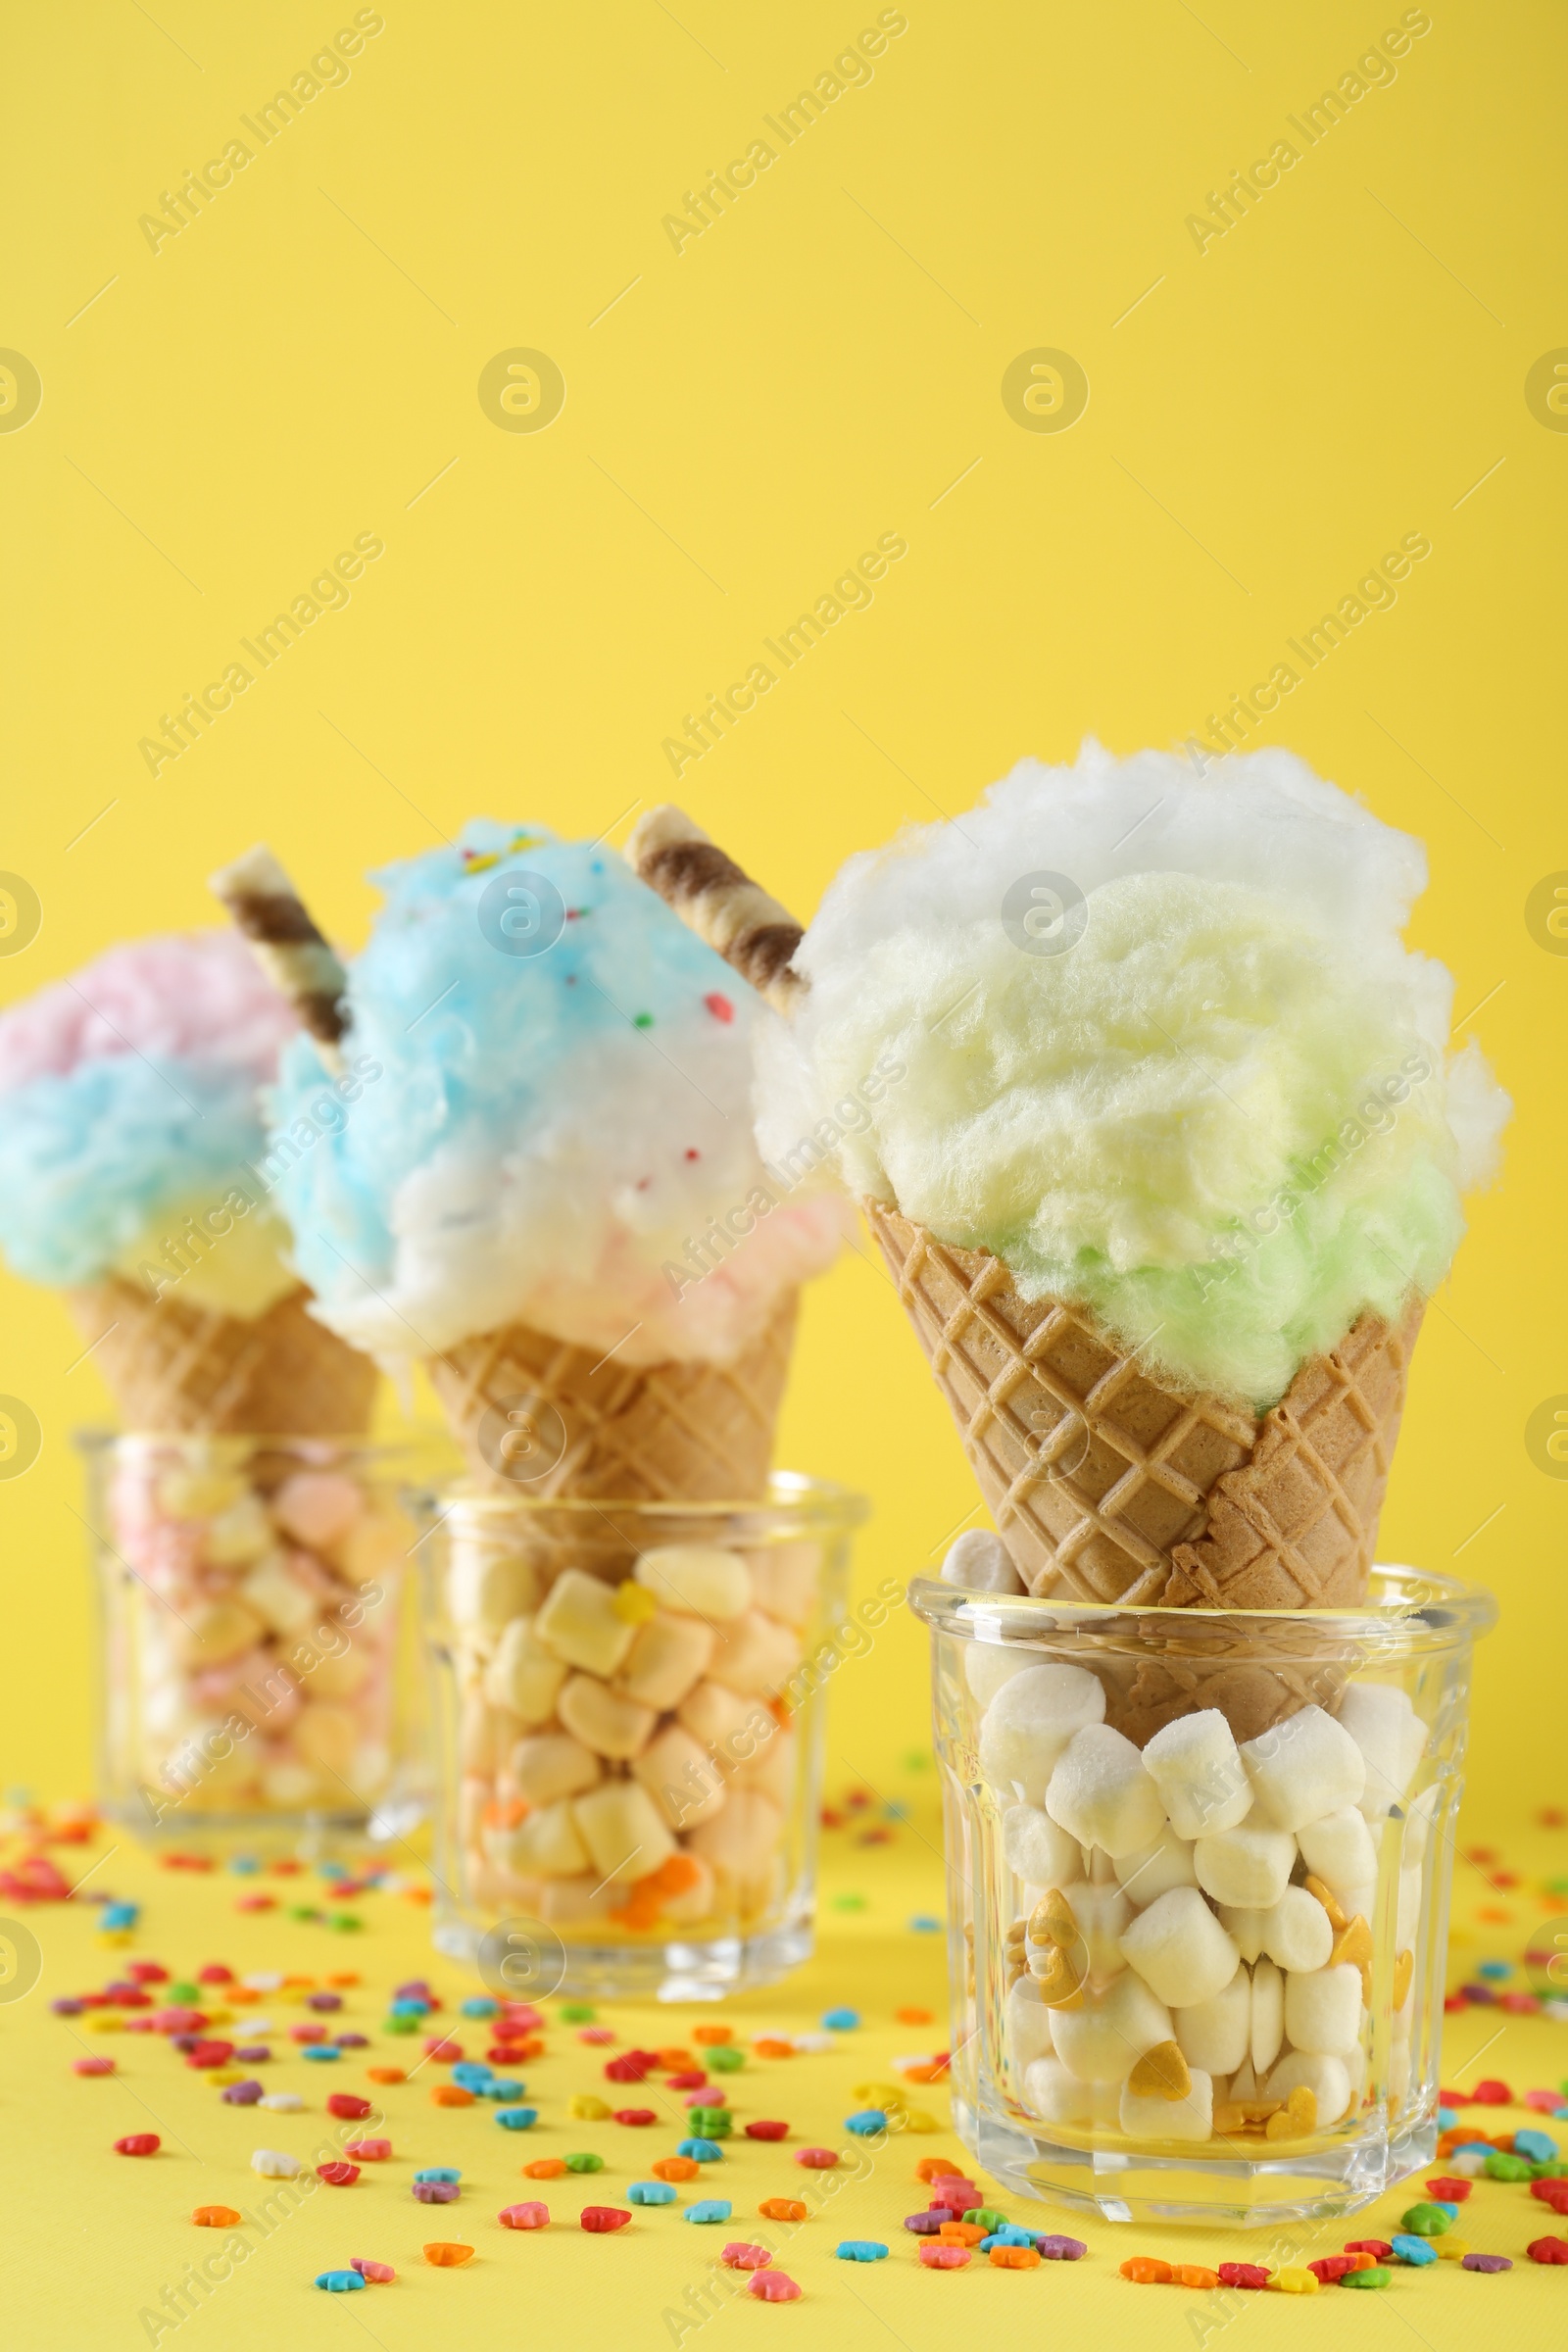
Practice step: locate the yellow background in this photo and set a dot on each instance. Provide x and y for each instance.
(823, 365)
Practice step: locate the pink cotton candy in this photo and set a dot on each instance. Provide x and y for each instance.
(198, 996)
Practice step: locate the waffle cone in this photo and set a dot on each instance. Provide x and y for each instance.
(669, 1431)
(1106, 1484)
(175, 1367)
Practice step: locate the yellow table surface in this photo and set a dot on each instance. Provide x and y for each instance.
(92, 2239)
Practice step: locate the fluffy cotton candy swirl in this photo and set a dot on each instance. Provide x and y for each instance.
(541, 1137)
(1220, 1116)
(129, 1094)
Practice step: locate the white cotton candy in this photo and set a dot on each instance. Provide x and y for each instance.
(1101, 1794)
(1337, 1848)
(1180, 1948)
(1323, 2009)
(1303, 1768)
(1327, 2079)
(980, 1563)
(1103, 2039)
(1392, 1738)
(1030, 1722)
(1028, 2028)
(1151, 1871)
(1247, 1868)
(1199, 1771)
(1214, 2034)
(1037, 1852)
(1189, 2118)
(1267, 2026)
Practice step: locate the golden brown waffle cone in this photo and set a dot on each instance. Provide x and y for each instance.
(177, 1367)
(670, 1432)
(1108, 1484)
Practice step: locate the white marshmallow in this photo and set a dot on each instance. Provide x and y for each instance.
(551, 1765)
(1244, 2083)
(1295, 1933)
(1323, 2009)
(681, 1777)
(1214, 2033)
(1103, 2040)
(1199, 1771)
(742, 1838)
(770, 1770)
(1180, 1948)
(1101, 1913)
(605, 1720)
(623, 1831)
(580, 1623)
(1030, 1722)
(735, 1729)
(668, 1655)
(989, 1666)
(1359, 1901)
(523, 1677)
(1339, 1848)
(697, 1581)
(1248, 1869)
(1056, 2095)
(1392, 1738)
(1101, 1794)
(547, 1845)
(1151, 1871)
(485, 1588)
(754, 1654)
(1267, 2029)
(979, 1562)
(785, 1579)
(284, 1600)
(1028, 2028)
(1189, 2118)
(1037, 1850)
(1325, 2078)
(1303, 1768)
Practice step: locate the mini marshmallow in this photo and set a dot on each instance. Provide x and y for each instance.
(1323, 2009)
(1325, 2078)
(326, 1737)
(681, 1777)
(1303, 1768)
(754, 1654)
(486, 1588)
(1392, 1738)
(989, 1666)
(551, 1765)
(1056, 2095)
(1030, 1722)
(667, 1657)
(1198, 1769)
(1267, 2030)
(216, 1630)
(771, 1770)
(580, 1623)
(1101, 1794)
(1100, 1913)
(1244, 2083)
(785, 1581)
(241, 1533)
(548, 1844)
(1103, 2038)
(1151, 1871)
(1037, 1850)
(623, 1831)
(742, 1838)
(1295, 1933)
(1180, 1948)
(1337, 1848)
(523, 1677)
(1248, 1869)
(605, 1720)
(980, 1563)
(1189, 2118)
(1028, 2028)
(734, 1729)
(282, 1600)
(1214, 2034)
(697, 1581)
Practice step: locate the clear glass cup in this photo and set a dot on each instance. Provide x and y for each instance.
(250, 1596)
(629, 1726)
(1268, 2060)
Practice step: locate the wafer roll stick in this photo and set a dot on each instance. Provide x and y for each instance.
(756, 936)
(268, 910)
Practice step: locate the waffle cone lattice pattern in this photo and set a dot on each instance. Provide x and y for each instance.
(176, 1368)
(670, 1432)
(1107, 1486)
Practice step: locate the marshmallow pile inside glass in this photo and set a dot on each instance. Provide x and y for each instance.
(627, 1758)
(1191, 1954)
(256, 1623)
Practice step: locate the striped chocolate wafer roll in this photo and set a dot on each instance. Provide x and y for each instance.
(268, 910)
(707, 889)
